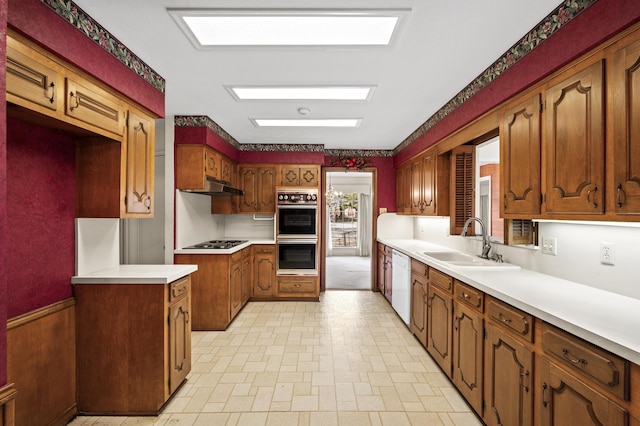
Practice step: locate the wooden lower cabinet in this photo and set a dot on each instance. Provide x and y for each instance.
(439, 320)
(298, 287)
(264, 284)
(385, 265)
(468, 337)
(508, 379)
(419, 294)
(133, 345)
(567, 400)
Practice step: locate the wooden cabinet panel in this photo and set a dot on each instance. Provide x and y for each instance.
(468, 335)
(625, 101)
(295, 175)
(418, 324)
(565, 400)
(520, 143)
(235, 282)
(179, 336)
(247, 274)
(31, 79)
(574, 140)
(140, 156)
(469, 295)
(439, 320)
(264, 285)
(94, 106)
(298, 286)
(514, 320)
(440, 279)
(508, 378)
(259, 185)
(429, 182)
(385, 271)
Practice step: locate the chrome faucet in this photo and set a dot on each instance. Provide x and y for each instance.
(486, 247)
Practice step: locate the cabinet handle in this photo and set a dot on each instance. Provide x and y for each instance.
(504, 197)
(465, 295)
(72, 97)
(575, 361)
(147, 203)
(504, 319)
(523, 375)
(455, 322)
(52, 87)
(544, 391)
(187, 317)
(619, 195)
(595, 188)
(297, 285)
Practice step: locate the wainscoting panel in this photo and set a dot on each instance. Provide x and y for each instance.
(41, 364)
(7, 405)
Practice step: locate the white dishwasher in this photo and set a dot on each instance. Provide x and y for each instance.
(401, 285)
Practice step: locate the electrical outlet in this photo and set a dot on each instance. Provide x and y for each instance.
(607, 253)
(550, 246)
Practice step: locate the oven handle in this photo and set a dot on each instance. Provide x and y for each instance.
(298, 206)
(298, 241)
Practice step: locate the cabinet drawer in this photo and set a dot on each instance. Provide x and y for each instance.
(236, 257)
(264, 249)
(179, 289)
(92, 105)
(439, 279)
(512, 319)
(419, 268)
(294, 287)
(585, 359)
(469, 295)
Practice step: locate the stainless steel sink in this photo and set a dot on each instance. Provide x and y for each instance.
(457, 259)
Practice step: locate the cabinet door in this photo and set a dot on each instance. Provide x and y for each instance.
(400, 190)
(382, 268)
(468, 334)
(416, 187)
(625, 97)
(246, 275)
(266, 190)
(566, 400)
(575, 143)
(508, 378)
(179, 343)
(249, 183)
(226, 170)
(520, 158)
(428, 186)
(439, 319)
(30, 79)
(265, 272)
(235, 282)
(212, 164)
(419, 308)
(388, 273)
(140, 146)
(310, 176)
(94, 106)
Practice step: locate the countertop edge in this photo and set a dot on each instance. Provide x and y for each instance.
(136, 274)
(232, 250)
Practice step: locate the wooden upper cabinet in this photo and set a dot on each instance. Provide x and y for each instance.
(574, 142)
(259, 185)
(624, 95)
(139, 165)
(32, 78)
(94, 106)
(520, 158)
(429, 181)
(212, 164)
(296, 175)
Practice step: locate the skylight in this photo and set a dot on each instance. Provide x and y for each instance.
(224, 27)
(298, 122)
(339, 93)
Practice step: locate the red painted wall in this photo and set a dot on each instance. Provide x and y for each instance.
(281, 157)
(3, 195)
(204, 135)
(41, 236)
(38, 22)
(600, 21)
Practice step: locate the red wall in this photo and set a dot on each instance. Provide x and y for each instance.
(3, 196)
(599, 22)
(41, 235)
(38, 22)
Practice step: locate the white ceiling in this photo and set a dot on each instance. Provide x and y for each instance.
(443, 46)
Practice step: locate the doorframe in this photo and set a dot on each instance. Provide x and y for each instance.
(374, 222)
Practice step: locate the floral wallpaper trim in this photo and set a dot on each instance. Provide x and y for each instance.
(563, 14)
(77, 17)
(204, 121)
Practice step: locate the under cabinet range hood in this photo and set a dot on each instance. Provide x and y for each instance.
(215, 187)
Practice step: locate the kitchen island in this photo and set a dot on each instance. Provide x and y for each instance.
(133, 337)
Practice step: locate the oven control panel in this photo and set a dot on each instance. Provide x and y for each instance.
(297, 197)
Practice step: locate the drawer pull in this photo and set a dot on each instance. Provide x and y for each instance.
(52, 87)
(297, 285)
(504, 319)
(466, 296)
(544, 391)
(523, 376)
(581, 362)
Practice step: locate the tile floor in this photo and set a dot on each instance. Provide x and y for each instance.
(347, 360)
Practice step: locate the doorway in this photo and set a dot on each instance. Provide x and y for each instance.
(348, 229)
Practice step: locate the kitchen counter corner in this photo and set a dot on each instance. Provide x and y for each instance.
(136, 274)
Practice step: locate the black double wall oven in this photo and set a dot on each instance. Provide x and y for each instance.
(297, 231)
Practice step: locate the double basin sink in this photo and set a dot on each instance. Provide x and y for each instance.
(456, 259)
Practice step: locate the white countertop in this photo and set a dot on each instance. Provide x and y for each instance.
(603, 318)
(136, 274)
(225, 251)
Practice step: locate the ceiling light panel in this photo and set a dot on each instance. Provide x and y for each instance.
(223, 27)
(333, 93)
(318, 122)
